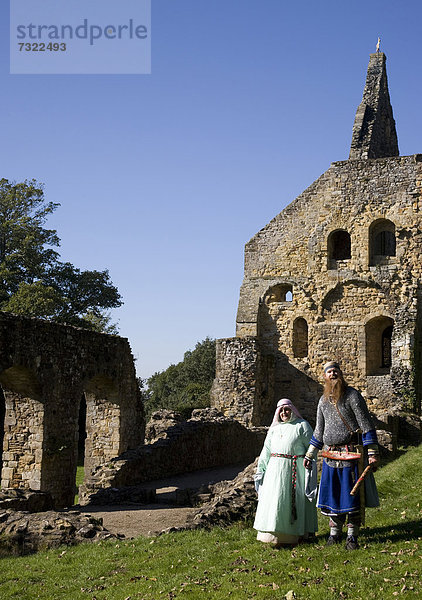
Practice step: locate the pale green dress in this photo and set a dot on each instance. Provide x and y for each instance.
(274, 510)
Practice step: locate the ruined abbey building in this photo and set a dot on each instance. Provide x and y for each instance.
(335, 275)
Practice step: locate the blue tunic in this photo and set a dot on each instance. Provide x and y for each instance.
(338, 477)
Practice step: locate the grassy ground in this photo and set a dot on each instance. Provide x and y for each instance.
(231, 563)
(79, 479)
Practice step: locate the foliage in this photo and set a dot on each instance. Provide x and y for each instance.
(33, 281)
(184, 386)
(224, 563)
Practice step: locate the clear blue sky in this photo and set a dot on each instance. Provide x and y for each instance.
(163, 178)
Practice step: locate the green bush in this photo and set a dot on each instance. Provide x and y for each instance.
(185, 386)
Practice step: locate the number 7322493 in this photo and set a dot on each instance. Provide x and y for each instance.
(42, 47)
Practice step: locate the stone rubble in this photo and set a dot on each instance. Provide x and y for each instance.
(22, 532)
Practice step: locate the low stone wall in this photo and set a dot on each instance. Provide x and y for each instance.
(159, 424)
(205, 441)
(396, 428)
(25, 500)
(230, 501)
(23, 533)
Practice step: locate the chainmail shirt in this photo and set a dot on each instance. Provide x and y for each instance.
(330, 429)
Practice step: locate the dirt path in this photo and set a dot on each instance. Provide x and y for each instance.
(141, 519)
(133, 520)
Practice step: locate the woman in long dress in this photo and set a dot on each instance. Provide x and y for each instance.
(284, 514)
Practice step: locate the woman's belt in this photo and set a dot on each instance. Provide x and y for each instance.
(341, 453)
(294, 458)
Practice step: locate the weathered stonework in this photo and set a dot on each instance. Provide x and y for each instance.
(374, 131)
(161, 421)
(45, 371)
(335, 275)
(235, 390)
(205, 441)
(22, 533)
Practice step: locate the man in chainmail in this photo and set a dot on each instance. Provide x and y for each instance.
(342, 418)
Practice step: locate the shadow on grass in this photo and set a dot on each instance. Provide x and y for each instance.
(394, 532)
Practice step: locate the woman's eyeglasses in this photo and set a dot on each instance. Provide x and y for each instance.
(285, 410)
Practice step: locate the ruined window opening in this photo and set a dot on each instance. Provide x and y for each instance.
(282, 292)
(2, 417)
(379, 333)
(382, 241)
(300, 338)
(386, 346)
(385, 243)
(339, 245)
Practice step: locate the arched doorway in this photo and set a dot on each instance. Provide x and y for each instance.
(378, 333)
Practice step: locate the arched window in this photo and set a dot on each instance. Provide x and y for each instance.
(382, 241)
(282, 292)
(339, 246)
(379, 332)
(300, 338)
(386, 346)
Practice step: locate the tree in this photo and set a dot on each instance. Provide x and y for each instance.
(184, 386)
(33, 281)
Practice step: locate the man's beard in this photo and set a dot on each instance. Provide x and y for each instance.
(334, 389)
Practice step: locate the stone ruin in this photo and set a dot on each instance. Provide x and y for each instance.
(62, 384)
(205, 441)
(69, 396)
(336, 275)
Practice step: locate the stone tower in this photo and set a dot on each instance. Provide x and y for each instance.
(374, 132)
(335, 275)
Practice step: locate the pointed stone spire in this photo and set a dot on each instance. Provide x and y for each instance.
(374, 131)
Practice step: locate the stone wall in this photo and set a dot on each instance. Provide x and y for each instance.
(343, 304)
(45, 371)
(205, 441)
(234, 392)
(335, 275)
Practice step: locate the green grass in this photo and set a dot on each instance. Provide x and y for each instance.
(79, 480)
(231, 563)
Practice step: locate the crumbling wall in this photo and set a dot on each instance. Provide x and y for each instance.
(205, 441)
(44, 370)
(342, 301)
(234, 392)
